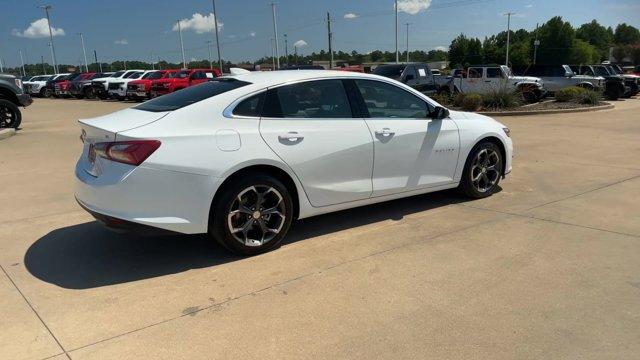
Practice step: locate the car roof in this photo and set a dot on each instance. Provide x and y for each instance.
(269, 78)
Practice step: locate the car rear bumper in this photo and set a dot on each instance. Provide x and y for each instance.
(25, 99)
(169, 200)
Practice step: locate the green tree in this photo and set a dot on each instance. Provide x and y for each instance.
(556, 41)
(465, 51)
(626, 35)
(583, 53)
(598, 36)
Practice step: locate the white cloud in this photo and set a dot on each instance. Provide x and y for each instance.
(413, 7)
(121, 42)
(350, 16)
(252, 34)
(38, 29)
(528, 6)
(442, 48)
(300, 43)
(199, 23)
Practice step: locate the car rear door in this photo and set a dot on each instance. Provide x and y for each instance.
(411, 151)
(311, 126)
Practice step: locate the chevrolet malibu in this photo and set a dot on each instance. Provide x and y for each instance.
(241, 157)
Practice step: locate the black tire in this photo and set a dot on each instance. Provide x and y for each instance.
(474, 170)
(10, 115)
(89, 93)
(612, 93)
(239, 198)
(46, 92)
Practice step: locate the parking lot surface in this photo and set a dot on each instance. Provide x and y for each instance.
(547, 268)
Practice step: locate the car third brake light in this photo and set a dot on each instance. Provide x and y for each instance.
(132, 152)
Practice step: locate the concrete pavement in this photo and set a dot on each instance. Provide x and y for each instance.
(547, 268)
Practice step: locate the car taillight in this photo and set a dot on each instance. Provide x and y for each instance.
(132, 152)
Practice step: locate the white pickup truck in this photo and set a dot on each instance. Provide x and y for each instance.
(482, 79)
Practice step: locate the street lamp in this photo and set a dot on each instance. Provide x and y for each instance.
(46, 9)
(508, 35)
(215, 21)
(84, 52)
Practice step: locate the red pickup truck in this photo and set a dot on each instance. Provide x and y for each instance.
(184, 79)
(61, 88)
(141, 89)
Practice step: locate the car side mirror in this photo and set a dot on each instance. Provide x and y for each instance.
(439, 113)
(409, 77)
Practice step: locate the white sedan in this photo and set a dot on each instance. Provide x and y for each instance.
(241, 157)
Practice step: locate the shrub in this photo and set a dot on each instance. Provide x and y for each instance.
(501, 99)
(589, 97)
(570, 93)
(458, 99)
(472, 102)
(442, 98)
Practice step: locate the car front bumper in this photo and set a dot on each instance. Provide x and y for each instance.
(118, 92)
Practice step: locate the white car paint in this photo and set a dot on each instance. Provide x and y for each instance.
(107, 79)
(121, 91)
(334, 163)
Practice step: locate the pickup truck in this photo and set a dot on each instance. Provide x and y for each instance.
(101, 85)
(556, 77)
(81, 87)
(483, 79)
(35, 84)
(614, 86)
(61, 88)
(631, 80)
(184, 79)
(49, 87)
(141, 89)
(12, 96)
(416, 75)
(118, 88)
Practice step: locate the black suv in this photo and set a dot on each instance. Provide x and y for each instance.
(416, 75)
(12, 96)
(614, 86)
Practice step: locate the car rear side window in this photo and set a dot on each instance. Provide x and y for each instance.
(311, 99)
(250, 107)
(191, 95)
(494, 73)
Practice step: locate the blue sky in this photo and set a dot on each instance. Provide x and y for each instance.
(135, 29)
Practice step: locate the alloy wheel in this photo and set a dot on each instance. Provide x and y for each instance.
(256, 215)
(485, 170)
(7, 117)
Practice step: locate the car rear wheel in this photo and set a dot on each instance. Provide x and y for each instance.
(482, 171)
(10, 116)
(252, 216)
(46, 92)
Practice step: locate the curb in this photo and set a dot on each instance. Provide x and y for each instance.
(7, 133)
(545, 112)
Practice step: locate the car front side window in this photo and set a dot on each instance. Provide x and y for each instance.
(311, 99)
(383, 100)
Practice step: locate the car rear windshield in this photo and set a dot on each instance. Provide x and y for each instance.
(191, 95)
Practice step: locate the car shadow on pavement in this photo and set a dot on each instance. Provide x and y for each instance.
(87, 255)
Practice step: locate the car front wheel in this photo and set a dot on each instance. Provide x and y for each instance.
(482, 171)
(252, 216)
(10, 116)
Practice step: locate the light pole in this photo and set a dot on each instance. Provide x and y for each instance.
(209, 47)
(286, 49)
(508, 35)
(536, 43)
(84, 52)
(396, 13)
(46, 9)
(407, 42)
(22, 62)
(184, 59)
(44, 70)
(215, 20)
(52, 58)
(275, 33)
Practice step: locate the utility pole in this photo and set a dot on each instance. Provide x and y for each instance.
(215, 20)
(46, 9)
(24, 73)
(275, 33)
(1, 66)
(153, 64)
(209, 47)
(84, 51)
(44, 69)
(330, 35)
(407, 42)
(295, 53)
(508, 35)
(95, 56)
(273, 56)
(184, 59)
(286, 49)
(397, 54)
(536, 43)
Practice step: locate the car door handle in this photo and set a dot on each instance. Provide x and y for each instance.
(385, 132)
(291, 136)
(487, 81)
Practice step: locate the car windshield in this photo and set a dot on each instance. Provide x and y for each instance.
(506, 70)
(153, 75)
(191, 95)
(171, 75)
(183, 74)
(391, 71)
(614, 70)
(117, 74)
(601, 71)
(96, 75)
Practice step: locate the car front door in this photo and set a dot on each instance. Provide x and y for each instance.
(426, 83)
(312, 128)
(473, 81)
(411, 151)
